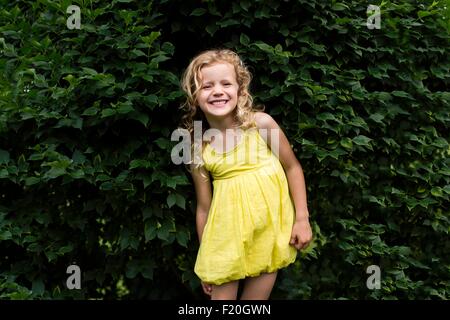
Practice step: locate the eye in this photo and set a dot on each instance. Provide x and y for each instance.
(206, 86)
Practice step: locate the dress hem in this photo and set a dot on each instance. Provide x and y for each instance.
(251, 274)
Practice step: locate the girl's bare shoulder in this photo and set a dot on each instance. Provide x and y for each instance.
(264, 120)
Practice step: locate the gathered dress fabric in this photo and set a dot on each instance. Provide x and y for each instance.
(251, 214)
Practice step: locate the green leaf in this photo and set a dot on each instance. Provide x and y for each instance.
(4, 156)
(107, 185)
(437, 192)
(164, 230)
(38, 287)
(198, 12)
(55, 172)
(149, 231)
(78, 157)
(151, 99)
(211, 29)
(182, 238)
(347, 143)
(124, 239)
(177, 180)
(65, 249)
(379, 201)
(171, 199)
(108, 112)
(264, 47)
(151, 38)
(377, 117)
(180, 201)
(132, 269)
(92, 111)
(162, 143)
(422, 14)
(339, 7)
(362, 140)
(137, 53)
(147, 181)
(245, 4)
(326, 116)
(89, 71)
(125, 107)
(147, 213)
(29, 181)
(402, 94)
(243, 39)
(5, 235)
(447, 189)
(147, 270)
(138, 163)
(289, 98)
(141, 117)
(440, 143)
(227, 23)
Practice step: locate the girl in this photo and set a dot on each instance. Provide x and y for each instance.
(251, 225)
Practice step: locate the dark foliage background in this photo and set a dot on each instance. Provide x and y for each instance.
(86, 117)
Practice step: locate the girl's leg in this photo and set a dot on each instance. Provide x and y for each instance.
(260, 287)
(226, 291)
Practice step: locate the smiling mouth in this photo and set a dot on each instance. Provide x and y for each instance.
(218, 103)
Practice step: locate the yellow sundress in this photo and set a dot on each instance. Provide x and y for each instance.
(251, 215)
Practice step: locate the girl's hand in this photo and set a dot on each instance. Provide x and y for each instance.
(207, 288)
(301, 234)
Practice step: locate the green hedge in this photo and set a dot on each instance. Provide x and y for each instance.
(86, 117)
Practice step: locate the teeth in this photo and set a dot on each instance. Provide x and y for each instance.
(219, 102)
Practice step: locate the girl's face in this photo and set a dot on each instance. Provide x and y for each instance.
(218, 94)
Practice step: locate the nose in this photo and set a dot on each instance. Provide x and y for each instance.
(217, 91)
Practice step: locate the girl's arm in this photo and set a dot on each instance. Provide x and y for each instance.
(291, 165)
(301, 233)
(203, 193)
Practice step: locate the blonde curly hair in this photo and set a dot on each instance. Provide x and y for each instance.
(190, 83)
